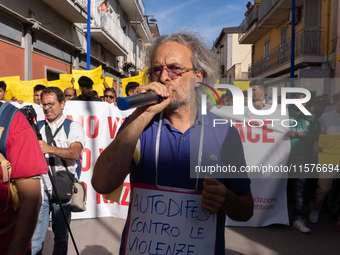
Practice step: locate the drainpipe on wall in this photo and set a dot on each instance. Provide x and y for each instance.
(28, 53)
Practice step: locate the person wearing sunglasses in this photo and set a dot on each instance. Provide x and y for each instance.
(154, 147)
(109, 95)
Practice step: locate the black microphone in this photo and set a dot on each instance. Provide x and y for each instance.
(141, 99)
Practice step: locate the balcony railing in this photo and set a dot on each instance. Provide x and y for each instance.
(141, 6)
(264, 7)
(247, 22)
(308, 41)
(107, 22)
(83, 3)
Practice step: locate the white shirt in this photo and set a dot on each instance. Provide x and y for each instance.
(76, 134)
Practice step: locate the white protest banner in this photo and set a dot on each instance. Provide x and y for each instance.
(165, 222)
(263, 146)
(266, 150)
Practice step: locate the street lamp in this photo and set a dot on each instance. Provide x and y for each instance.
(136, 37)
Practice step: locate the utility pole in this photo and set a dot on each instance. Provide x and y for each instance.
(88, 41)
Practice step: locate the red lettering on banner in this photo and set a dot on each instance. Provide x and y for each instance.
(254, 125)
(87, 166)
(126, 193)
(80, 119)
(113, 129)
(104, 200)
(249, 132)
(101, 150)
(265, 131)
(95, 121)
(238, 126)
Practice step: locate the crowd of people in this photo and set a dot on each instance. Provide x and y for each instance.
(86, 92)
(152, 146)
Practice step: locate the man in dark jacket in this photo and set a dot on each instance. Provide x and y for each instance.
(85, 87)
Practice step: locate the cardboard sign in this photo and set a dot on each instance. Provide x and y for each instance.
(165, 222)
(94, 75)
(65, 81)
(11, 82)
(55, 83)
(138, 79)
(25, 91)
(100, 87)
(330, 145)
(243, 85)
(109, 81)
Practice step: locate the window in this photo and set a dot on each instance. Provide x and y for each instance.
(52, 74)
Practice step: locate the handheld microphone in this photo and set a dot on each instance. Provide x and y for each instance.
(141, 99)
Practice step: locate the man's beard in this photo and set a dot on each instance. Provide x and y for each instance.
(177, 103)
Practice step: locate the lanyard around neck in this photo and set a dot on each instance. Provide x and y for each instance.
(158, 138)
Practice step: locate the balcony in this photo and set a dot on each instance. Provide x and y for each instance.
(73, 10)
(269, 14)
(130, 7)
(143, 29)
(309, 50)
(106, 31)
(247, 23)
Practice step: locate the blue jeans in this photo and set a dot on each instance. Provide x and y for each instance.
(299, 186)
(102, 19)
(59, 226)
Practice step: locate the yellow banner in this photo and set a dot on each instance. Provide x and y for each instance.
(94, 75)
(219, 92)
(55, 83)
(25, 92)
(109, 81)
(330, 145)
(11, 82)
(138, 79)
(100, 87)
(243, 85)
(65, 81)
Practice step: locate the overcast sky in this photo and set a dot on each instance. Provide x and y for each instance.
(207, 16)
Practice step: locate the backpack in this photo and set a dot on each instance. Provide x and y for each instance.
(67, 124)
(7, 112)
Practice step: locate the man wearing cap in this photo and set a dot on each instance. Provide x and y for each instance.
(85, 87)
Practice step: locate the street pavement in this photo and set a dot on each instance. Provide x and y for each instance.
(102, 236)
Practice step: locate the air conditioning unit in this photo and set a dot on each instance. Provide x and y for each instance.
(297, 16)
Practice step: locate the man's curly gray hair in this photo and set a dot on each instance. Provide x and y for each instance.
(202, 58)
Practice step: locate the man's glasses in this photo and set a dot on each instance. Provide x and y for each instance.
(49, 105)
(108, 96)
(174, 71)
